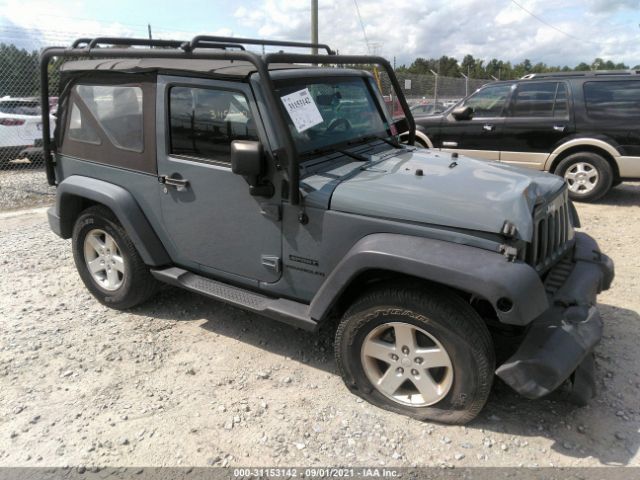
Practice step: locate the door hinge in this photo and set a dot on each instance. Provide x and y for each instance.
(271, 262)
(271, 211)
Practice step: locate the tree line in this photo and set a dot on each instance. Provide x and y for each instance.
(476, 68)
(19, 69)
(20, 72)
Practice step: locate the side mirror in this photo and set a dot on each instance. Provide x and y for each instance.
(247, 159)
(462, 113)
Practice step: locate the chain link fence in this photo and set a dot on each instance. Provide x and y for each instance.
(23, 181)
(22, 178)
(427, 94)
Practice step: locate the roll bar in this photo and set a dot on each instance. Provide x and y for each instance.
(210, 51)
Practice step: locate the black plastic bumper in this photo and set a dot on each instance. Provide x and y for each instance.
(54, 221)
(559, 342)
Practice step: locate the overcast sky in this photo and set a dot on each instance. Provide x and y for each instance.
(567, 31)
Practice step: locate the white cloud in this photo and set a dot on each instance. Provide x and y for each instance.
(456, 27)
(404, 28)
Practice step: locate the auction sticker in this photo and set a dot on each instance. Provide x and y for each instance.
(302, 109)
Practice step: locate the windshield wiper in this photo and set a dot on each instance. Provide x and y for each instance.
(355, 156)
(368, 138)
(318, 151)
(327, 150)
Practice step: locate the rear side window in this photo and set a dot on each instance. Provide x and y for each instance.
(205, 121)
(118, 111)
(548, 99)
(79, 128)
(620, 99)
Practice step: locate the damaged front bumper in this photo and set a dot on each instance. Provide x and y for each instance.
(559, 343)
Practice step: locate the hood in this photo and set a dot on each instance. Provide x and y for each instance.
(454, 192)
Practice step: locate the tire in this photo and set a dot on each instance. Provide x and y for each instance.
(417, 143)
(443, 322)
(588, 175)
(420, 143)
(128, 282)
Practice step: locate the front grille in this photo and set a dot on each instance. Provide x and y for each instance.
(552, 232)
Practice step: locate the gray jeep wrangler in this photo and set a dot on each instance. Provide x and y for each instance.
(280, 187)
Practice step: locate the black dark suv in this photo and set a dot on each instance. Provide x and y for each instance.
(582, 126)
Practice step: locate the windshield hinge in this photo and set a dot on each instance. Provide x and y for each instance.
(510, 252)
(509, 230)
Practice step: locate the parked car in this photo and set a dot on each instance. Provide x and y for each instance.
(582, 126)
(281, 188)
(427, 108)
(20, 129)
(393, 106)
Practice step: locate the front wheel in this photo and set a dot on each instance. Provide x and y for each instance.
(424, 353)
(587, 174)
(108, 262)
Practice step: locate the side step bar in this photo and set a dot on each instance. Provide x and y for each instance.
(293, 313)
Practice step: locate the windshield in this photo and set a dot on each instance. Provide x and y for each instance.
(330, 111)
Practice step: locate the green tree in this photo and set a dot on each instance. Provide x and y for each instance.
(19, 72)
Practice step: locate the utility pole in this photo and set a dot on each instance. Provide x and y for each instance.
(149, 30)
(314, 25)
(466, 84)
(435, 90)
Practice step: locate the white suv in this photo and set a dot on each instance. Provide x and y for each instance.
(20, 128)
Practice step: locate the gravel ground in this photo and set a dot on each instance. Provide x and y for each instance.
(22, 186)
(185, 380)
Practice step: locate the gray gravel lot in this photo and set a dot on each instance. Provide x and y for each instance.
(185, 380)
(22, 186)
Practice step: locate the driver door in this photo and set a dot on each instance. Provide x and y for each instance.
(214, 224)
(480, 136)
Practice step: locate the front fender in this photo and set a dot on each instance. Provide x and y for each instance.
(121, 202)
(480, 272)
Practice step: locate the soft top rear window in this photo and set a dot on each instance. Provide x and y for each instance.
(118, 110)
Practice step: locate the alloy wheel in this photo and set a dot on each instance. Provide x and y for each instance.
(407, 364)
(104, 260)
(581, 177)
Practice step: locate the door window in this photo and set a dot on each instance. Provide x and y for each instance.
(489, 102)
(205, 121)
(548, 99)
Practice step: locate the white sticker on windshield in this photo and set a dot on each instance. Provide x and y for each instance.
(302, 109)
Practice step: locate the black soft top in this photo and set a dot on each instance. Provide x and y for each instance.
(217, 68)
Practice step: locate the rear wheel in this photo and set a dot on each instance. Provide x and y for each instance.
(424, 353)
(421, 143)
(108, 262)
(418, 142)
(588, 175)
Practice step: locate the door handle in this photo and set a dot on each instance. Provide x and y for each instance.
(487, 127)
(560, 128)
(179, 184)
